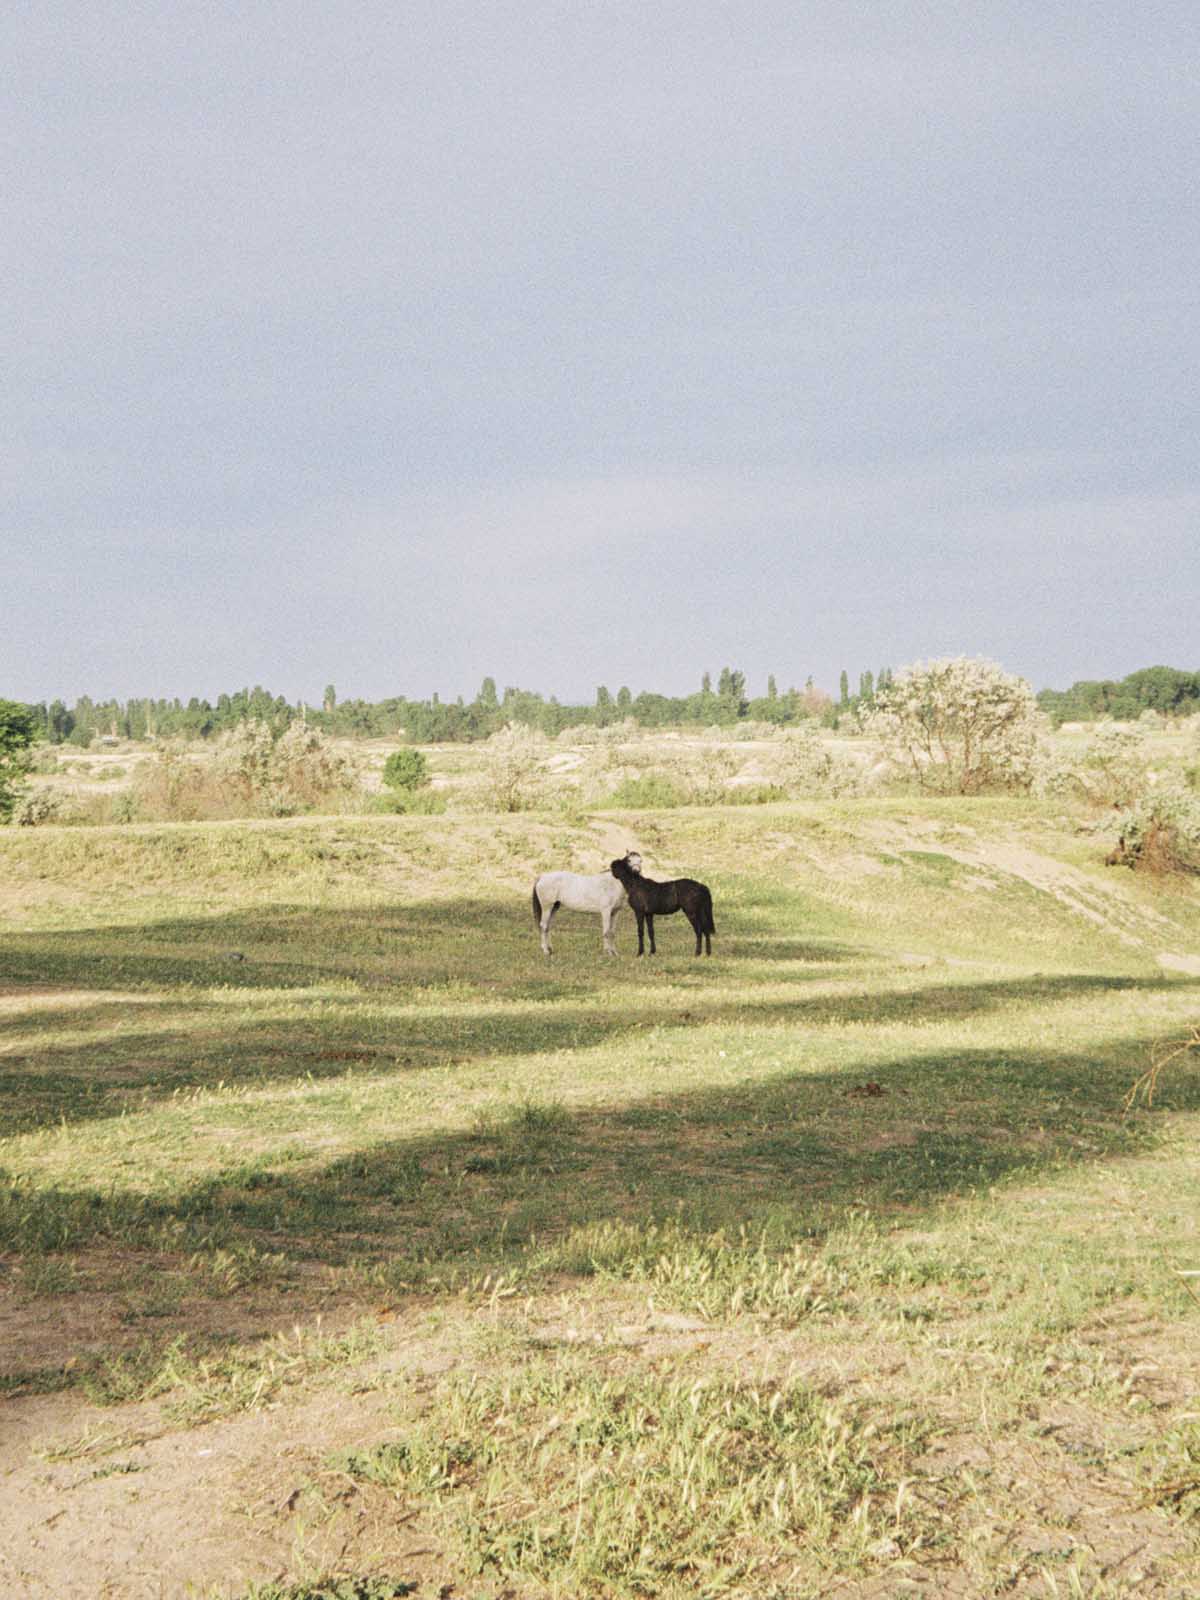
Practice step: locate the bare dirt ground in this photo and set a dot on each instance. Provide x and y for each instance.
(120, 1503)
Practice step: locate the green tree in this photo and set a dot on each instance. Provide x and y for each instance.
(844, 690)
(406, 768)
(731, 695)
(59, 722)
(18, 729)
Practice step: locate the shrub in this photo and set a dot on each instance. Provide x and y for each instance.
(705, 779)
(265, 775)
(958, 726)
(35, 808)
(124, 807)
(612, 733)
(512, 768)
(1161, 832)
(803, 764)
(1112, 768)
(306, 771)
(406, 769)
(170, 787)
(245, 762)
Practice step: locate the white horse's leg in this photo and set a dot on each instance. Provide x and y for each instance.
(608, 918)
(547, 919)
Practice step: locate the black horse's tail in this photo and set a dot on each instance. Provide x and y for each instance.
(706, 911)
(537, 907)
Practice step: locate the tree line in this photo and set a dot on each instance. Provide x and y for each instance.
(433, 720)
(1168, 690)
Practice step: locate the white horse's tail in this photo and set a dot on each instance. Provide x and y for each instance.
(537, 907)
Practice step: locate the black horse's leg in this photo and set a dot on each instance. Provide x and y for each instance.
(695, 922)
(641, 917)
(650, 929)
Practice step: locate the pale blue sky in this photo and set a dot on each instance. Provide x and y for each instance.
(400, 344)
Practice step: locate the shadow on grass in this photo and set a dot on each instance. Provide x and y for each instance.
(423, 943)
(756, 947)
(778, 1159)
(107, 1068)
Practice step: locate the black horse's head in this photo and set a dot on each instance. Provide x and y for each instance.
(630, 862)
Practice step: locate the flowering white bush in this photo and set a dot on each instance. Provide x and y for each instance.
(1161, 831)
(960, 725)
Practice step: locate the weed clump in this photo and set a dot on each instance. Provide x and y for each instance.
(641, 1480)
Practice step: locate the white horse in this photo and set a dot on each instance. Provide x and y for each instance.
(580, 891)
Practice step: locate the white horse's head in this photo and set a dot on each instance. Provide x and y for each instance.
(634, 860)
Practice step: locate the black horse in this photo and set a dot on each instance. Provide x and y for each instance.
(650, 899)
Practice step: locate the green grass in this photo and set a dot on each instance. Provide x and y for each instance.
(252, 1070)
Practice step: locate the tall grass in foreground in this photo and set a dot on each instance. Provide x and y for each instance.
(648, 1483)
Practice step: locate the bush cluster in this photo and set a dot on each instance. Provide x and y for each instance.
(803, 765)
(1160, 832)
(254, 773)
(513, 777)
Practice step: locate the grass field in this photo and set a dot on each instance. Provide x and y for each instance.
(345, 1240)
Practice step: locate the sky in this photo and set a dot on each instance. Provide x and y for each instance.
(395, 345)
